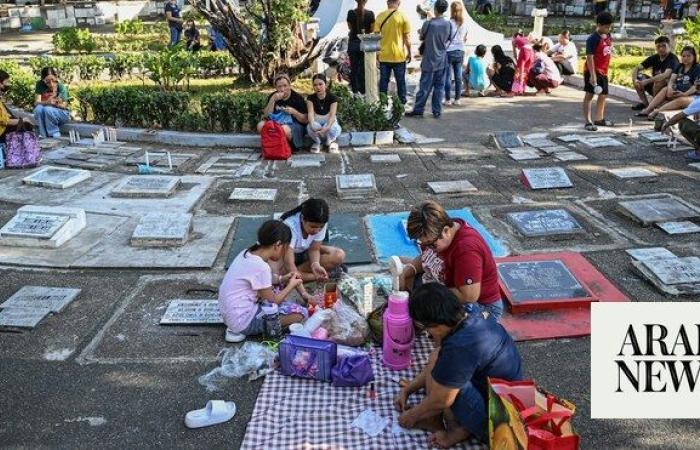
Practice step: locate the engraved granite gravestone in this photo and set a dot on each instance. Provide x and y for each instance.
(34, 225)
(146, 186)
(312, 160)
(56, 177)
(43, 226)
(391, 158)
(625, 173)
(676, 270)
(540, 280)
(652, 210)
(52, 298)
(250, 194)
(654, 136)
(507, 139)
(356, 186)
(682, 227)
(22, 317)
(570, 156)
(555, 149)
(650, 254)
(451, 187)
(544, 223)
(162, 230)
(600, 142)
(192, 312)
(546, 178)
(526, 155)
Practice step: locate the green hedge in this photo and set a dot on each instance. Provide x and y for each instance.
(233, 112)
(22, 83)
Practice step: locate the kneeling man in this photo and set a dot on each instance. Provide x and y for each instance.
(470, 346)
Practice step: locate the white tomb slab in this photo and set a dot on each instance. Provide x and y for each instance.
(42, 226)
(524, 155)
(681, 227)
(312, 160)
(192, 312)
(650, 254)
(570, 156)
(600, 142)
(146, 186)
(162, 230)
(653, 210)
(547, 178)
(555, 149)
(252, 194)
(22, 317)
(388, 159)
(52, 298)
(451, 187)
(625, 173)
(695, 165)
(676, 270)
(56, 177)
(356, 186)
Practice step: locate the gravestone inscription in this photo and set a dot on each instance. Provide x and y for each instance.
(451, 187)
(251, 194)
(676, 270)
(544, 223)
(22, 317)
(52, 298)
(34, 225)
(192, 312)
(540, 280)
(682, 227)
(650, 254)
(650, 211)
(546, 178)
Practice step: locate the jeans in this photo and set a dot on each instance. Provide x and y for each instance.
(357, 71)
(430, 80)
(495, 309)
(399, 70)
(175, 34)
(49, 119)
(332, 134)
(471, 411)
(455, 59)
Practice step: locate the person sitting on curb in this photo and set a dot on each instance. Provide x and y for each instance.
(288, 108)
(688, 128)
(323, 123)
(470, 347)
(662, 65)
(681, 87)
(564, 54)
(451, 253)
(51, 102)
(8, 124)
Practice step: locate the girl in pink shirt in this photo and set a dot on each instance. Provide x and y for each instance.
(526, 57)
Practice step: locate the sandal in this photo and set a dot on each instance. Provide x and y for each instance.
(590, 127)
(604, 123)
(639, 106)
(641, 114)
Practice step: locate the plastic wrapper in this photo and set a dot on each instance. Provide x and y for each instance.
(351, 289)
(347, 326)
(252, 359)
(384, 284)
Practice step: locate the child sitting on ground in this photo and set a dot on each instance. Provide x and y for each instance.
(475, 73)
(249, 282)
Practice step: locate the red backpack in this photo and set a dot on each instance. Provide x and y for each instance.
(274, 141)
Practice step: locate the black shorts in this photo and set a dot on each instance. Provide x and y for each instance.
(649, 88)
(602, 82)
(301, 258)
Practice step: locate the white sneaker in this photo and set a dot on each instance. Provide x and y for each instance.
(316, 148)
(457, 102)
(333, 148)
(234, 338)
(450, 102)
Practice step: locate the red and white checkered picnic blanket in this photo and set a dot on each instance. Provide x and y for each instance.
(299, 414)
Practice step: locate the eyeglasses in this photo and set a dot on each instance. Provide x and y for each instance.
(430, 244)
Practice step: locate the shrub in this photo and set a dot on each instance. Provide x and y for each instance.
(233, 112)
(358, 114)
(190, 121)
(214, 63)
(65, 66)
(21, 90)
(170, 67)
(122, 65)
(129, 27)
(90, 67)
(81, 40)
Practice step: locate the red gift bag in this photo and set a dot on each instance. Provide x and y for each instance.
(522, 416)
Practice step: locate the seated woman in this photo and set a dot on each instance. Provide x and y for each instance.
(564, 54)
(501, 72)
(681, 88)
(307, 255)
(51, 110)
(288, 108)
(192, 43)
(451, 253)
(322, 108)
(470, 347)
(544, 75)
(8, 124)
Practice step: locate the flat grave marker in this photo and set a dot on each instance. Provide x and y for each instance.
(52, 298)
(695, 165)
(650, 211)
(541, 143)
(56, 177)
(34, 225)
(600, 142)
(146, 186)
(546, 178)
(676, 270)
(570, 156)
(507, 139)
(555, 149)
(654, 136)
(356, 186)
(525, 155)
(192, 312)
(22, 317)
(540, 281)
(300, 161)
(451, 187)
(545, 222)
(682, 227)
(162, 230)
(650, 254)
(387, 159)
(625, 173)
(251, 194)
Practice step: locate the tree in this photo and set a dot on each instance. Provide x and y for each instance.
(263, 36)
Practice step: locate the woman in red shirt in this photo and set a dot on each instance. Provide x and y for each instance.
(451, 253)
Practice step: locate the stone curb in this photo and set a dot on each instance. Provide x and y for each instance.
(621, 92)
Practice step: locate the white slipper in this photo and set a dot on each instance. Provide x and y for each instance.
(216, 411)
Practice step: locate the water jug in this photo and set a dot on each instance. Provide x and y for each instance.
(398, 332)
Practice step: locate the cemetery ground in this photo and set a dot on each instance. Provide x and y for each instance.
(103, 372)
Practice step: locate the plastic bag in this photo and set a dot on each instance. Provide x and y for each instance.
(352, 371)
(351, 290)
(347, 326)
(252, 359)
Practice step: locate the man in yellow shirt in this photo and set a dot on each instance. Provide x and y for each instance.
(395, 47)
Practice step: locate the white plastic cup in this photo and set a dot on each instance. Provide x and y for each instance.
(315, 321)
(298, 329)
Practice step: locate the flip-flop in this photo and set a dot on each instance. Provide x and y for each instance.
(216, 412)
(639, 107)
(604, 123)
(590, 127)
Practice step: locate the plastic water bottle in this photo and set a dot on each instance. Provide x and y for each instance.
(597, 90)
